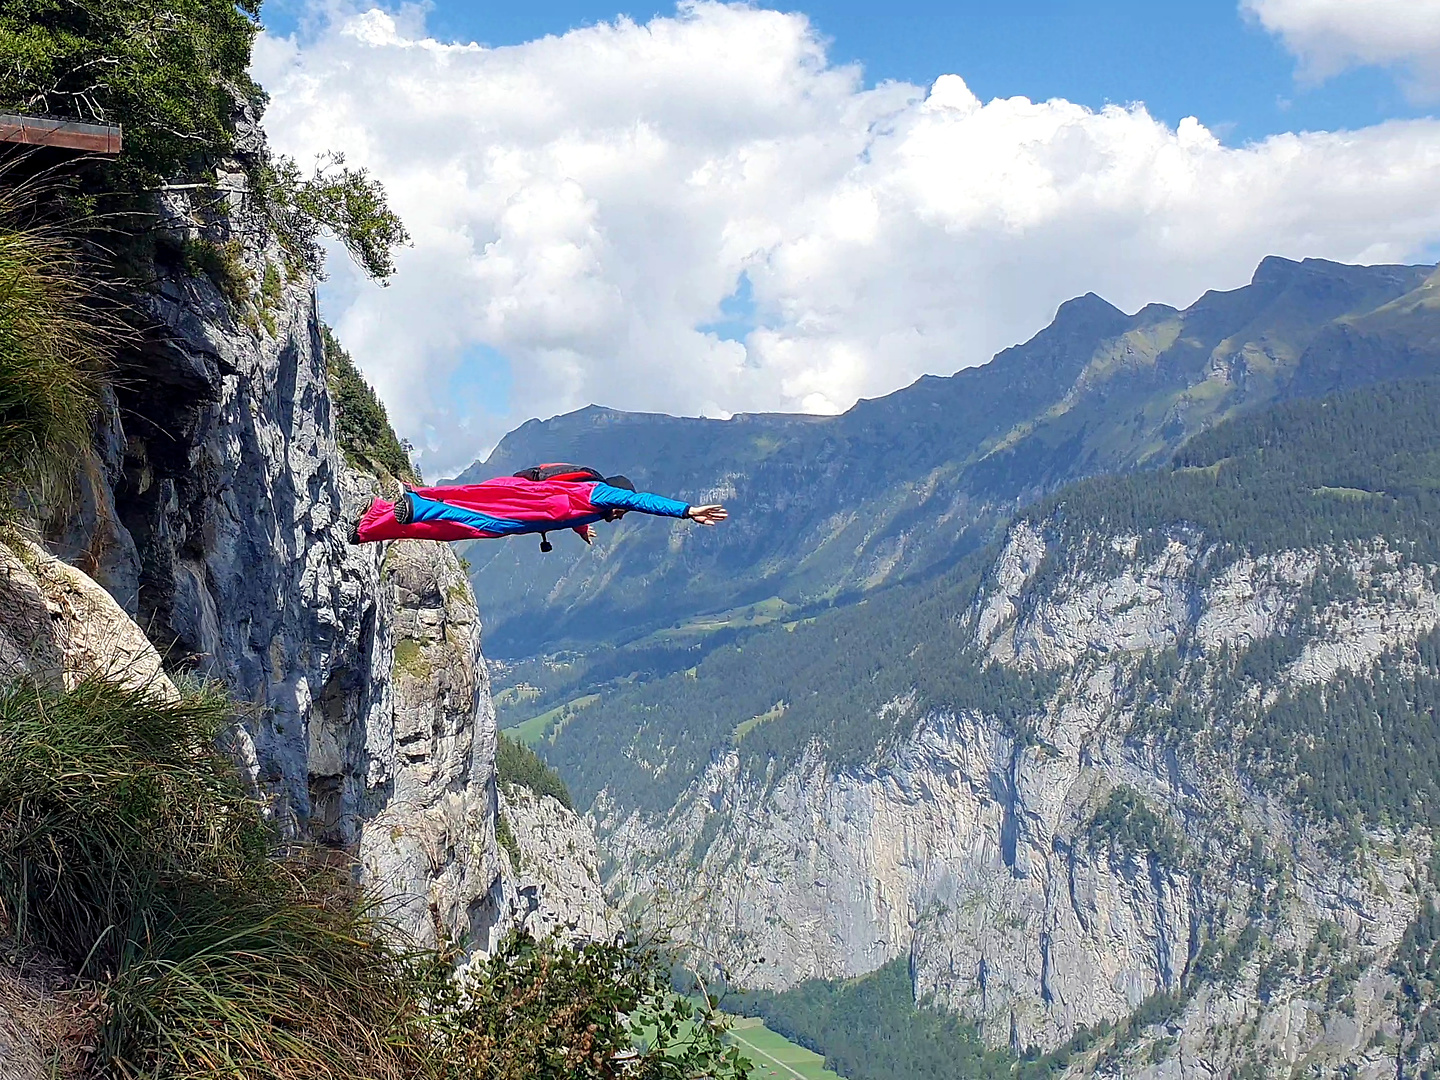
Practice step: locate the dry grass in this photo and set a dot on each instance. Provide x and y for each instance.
(55, 342)
(47, 1028)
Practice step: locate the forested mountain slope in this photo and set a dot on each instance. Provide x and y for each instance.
(1162, 767)
(830, 507)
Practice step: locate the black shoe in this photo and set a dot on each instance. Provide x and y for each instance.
(354, 536)
(404, 511)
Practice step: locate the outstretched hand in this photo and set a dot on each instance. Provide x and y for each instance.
(587, 533)
(708, 515)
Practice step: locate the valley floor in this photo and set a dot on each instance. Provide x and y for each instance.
(776, 1057)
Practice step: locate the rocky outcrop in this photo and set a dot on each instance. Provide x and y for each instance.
(59, 627)
(429, 750)
(552, 869)
(1058, 876)
(215, 510)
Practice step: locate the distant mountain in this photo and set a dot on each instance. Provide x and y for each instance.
(1153, 780)
(828, 508)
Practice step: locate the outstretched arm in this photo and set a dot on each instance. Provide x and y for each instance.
(607, 497)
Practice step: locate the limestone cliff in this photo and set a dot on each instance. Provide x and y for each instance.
(552, 866)
(57, 626)
(1056, 876)
(215, 510)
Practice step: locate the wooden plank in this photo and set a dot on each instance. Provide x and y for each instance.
(67, 134)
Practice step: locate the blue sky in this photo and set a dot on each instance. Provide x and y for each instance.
(1199, 58)
(698, 213)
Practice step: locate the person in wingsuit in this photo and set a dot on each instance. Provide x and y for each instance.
(542, 499)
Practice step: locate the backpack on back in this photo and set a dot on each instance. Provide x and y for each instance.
(559, 471)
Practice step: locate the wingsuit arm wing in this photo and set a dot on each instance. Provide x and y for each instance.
(607, 497)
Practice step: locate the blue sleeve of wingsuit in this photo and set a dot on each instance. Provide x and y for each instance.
(606, 497)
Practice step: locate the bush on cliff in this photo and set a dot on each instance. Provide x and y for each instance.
(362, 426)
(175, 76)
(52, 348)
(167, 71)
(517, 764)
(130, 852)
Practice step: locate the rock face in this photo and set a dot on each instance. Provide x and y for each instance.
(1057, 878)
(215, 510)
(59, 627)
(552, 869)
(430, 750)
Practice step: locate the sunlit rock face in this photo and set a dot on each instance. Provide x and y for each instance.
(999, 863)
(215, 508)
(553, 872)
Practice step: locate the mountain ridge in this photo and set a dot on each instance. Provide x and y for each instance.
(1153, 778)
(830, 505)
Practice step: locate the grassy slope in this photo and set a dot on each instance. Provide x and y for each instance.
(776, 1057)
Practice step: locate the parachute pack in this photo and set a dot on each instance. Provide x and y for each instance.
(559, 471)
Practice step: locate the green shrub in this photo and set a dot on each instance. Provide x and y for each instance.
(598, 1011)
(362, 427)
(53, 348)
(288, 982)
(168, 71)
(342, 202)
(129, 852)
(222, 264)
(1125, 826)
(175, 76)
(505, 837)
(1274, 972)
(517, 764)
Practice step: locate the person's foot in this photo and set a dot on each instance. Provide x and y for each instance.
(404, 512)
(355, 525)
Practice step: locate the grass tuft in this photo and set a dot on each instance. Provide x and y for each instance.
(130, 852)
(54, 346)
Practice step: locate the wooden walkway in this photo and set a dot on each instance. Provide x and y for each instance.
(65, 134)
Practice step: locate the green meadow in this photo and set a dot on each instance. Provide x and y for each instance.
(776, 1057)
(540, 728)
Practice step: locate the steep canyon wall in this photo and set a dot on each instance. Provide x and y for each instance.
(1055, 877)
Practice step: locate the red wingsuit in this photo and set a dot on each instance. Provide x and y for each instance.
(505, 506)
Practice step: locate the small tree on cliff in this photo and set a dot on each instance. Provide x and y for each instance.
(174, 74)
(168, 70)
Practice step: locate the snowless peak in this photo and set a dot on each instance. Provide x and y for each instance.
(950, 92)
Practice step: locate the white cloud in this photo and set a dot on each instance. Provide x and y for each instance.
(582, 205)
(1331, 35)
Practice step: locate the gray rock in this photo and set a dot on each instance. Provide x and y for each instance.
(59, 627)
(975, 857)
(216, 509)
(554, 883)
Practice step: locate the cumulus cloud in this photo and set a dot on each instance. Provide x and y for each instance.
(1331, 35)
(701, 214)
